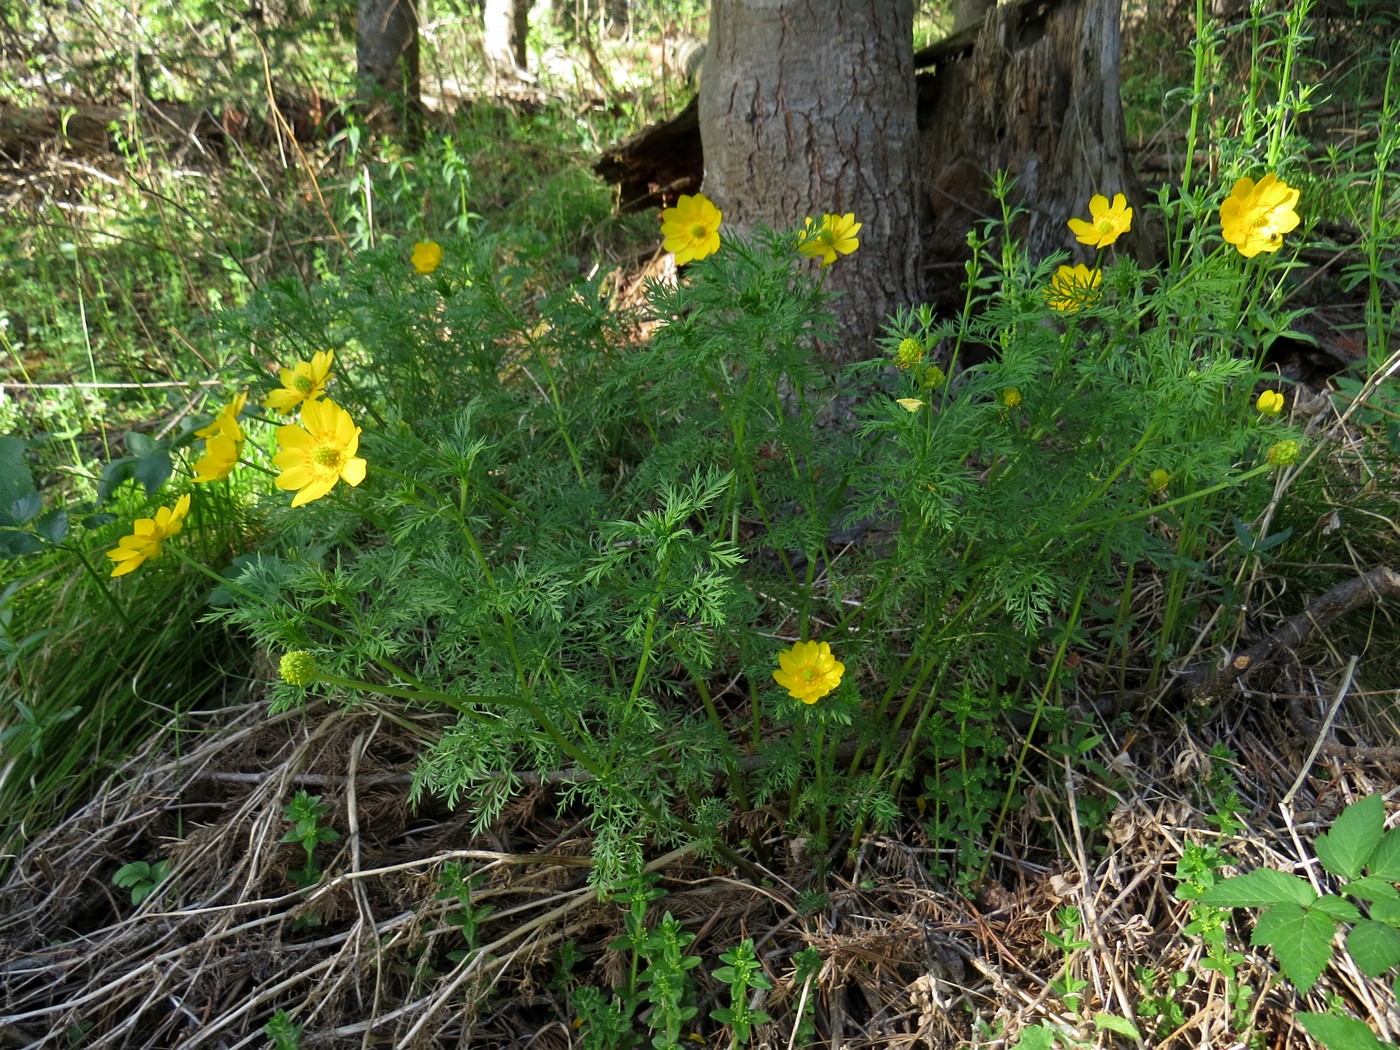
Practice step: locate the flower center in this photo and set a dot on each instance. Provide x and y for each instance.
(327, 457)
(1105, 225)
(303, 384)
(699, 231)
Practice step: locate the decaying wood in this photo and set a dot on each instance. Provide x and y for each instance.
(1037, 97)
(1378, 584)
(657, 164)
(1032, 90)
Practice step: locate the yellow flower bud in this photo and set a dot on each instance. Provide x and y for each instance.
(1270, 402)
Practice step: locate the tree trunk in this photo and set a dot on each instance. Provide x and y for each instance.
(1037, 97)
(970, 12)
(807, 107)
(507, 22)
(387, 60)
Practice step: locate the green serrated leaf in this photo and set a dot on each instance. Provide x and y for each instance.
(1385, 861)
(16, 479)
(1336, 908)
(1114, 1023)
(1372, 888)
(18, 544)
(153, 471)
(113, 474)
(1386, 911)
(53, 525)
(1354, 837)
(1374, 946)
(24, 509)
(141, 445)
(1041, 1037)
(1259, 889)
(1341, 1033)
(1301, 939)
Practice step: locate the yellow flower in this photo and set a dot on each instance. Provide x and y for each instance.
(223, 443)
(909, 404)
(1255, 216)
(1157, 480)
(1073, 287)
(221, 454)
(319, 452)
(230, 413)
(691, 228)
(1107, 222)
(303, 382)
(147, 534)
(837, 233)
(808, 671)
(297, 667)
(1011, 397)
(1270, 402)
(426, 256)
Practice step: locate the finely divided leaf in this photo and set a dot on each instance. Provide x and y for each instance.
(1374, 946)
(1259, 889)
(1301, 939)
(1354, 837)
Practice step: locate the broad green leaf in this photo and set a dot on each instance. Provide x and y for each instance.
(16, 479)
(1385, 861)
(1114, 1023)
(153, 470)
(1374, 946)
(1386, 911)
(1341, 1033)
(53, 525)
(1301, 939)
(1259, 889)
(141, 445)
(17, 544)
(24, 509)
(1336, 908)
(1041, 1037)
(1372, 888)
(1354, 837)
(113, 474)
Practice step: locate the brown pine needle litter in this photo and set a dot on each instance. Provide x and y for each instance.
(361, 958)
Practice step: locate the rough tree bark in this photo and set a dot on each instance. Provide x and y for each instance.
(807, 106)
(1037, 96)
(507, 22)
(387, 61)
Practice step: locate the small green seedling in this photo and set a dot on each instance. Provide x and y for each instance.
(141, 878)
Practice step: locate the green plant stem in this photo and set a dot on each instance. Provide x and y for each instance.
(1051, 682)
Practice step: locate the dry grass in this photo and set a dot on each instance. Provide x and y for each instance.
(907, 962)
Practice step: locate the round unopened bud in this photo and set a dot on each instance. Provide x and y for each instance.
(909, 353)
(1011, 397)
(1284, 453)
(1270, 403)
(934, 378)
(1157, 480)
(298, 668)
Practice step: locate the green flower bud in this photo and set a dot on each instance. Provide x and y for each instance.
(1284, 453)
(909, 353)
(297, 668)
